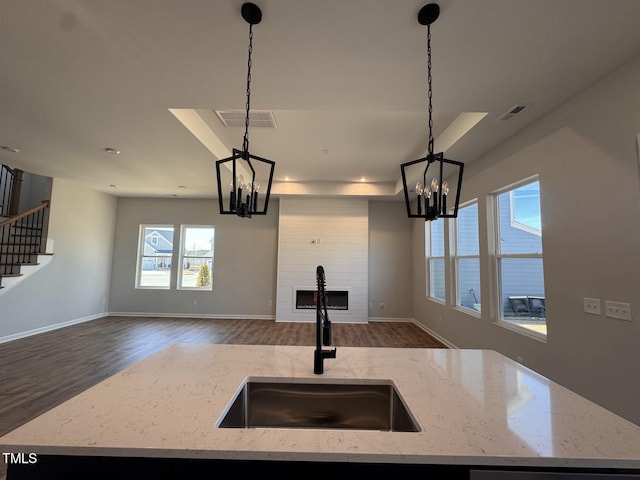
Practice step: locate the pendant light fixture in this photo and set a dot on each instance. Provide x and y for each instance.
(240, 191)
(426, 189)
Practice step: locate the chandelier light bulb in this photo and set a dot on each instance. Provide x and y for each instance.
(419, 188)
(434, 185)
(445, 188)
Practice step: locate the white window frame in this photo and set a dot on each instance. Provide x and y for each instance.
(183, 258)
(499, 256)
(141, 256)
(456, 257)
(429, 258)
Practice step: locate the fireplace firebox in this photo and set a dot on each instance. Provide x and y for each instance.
(336, 299)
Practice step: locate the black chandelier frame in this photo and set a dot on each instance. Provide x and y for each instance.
(243, 198)
(428, 200)
(433, 206)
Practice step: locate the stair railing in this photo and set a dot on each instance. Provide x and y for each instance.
(22, 238)
(10, 186)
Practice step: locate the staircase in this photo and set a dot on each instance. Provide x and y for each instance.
(22, 241)
(22, 235)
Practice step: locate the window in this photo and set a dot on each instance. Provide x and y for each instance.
(196, 257)
(155, 249)
(525, 208)
(519, 262)
(467, 258)
(435, 259)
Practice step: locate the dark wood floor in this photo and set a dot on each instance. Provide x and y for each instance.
(42, 371)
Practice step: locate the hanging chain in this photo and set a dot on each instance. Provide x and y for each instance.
(245, 142)
(430, 89)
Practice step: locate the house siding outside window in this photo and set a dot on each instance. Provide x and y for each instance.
(436, 286)
(466, 257)
(155, 252)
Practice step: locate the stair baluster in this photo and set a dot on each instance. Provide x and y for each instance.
(22, 239)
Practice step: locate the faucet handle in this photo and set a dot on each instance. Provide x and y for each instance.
(318, 359)
(326, 333)
(329, 353)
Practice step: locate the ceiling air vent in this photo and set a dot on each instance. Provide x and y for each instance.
(257, 118)
(513, 111)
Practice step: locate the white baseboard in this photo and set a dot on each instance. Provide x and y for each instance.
(192, 315)
(48, 328)
(333, 320)
(435, 335)
(390, 319)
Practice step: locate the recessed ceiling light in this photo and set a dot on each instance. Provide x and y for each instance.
(182, 186)
(113, 185)
(112, 151)
(362, 179)
(325, 150)
(9, 149)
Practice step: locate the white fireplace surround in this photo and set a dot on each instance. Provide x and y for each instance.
(330, 232)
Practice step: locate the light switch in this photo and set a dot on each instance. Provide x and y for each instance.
(592, 306)
(619, 310)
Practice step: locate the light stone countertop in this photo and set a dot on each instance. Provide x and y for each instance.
(474, 407)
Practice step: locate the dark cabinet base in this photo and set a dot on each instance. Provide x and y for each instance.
(50, 467)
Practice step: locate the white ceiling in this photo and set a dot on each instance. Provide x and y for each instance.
(346, 81)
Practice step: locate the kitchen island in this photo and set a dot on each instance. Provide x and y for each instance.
(477, 410)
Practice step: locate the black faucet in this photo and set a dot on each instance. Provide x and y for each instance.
(323, 325)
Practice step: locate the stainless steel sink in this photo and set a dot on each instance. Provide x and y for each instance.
(310, 403)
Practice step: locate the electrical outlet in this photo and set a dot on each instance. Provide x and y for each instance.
(592, 306)
(619, 310)
(194, 302)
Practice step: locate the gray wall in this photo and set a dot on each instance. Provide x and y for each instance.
(35, 189)
(389, 261)
(586, 155)
(74, 286)
(245, 261)
(244, 264)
